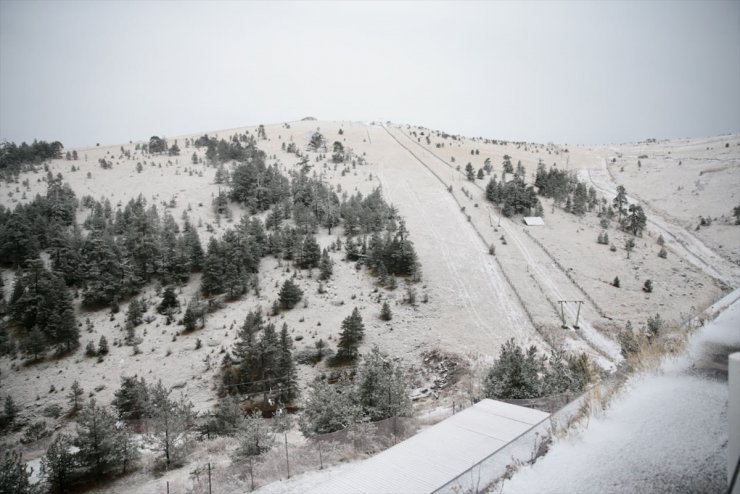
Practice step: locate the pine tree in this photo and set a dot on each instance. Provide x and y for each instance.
(126, 450)
(134, 313)
(14, 475)
(353, 330)
(103, 346)
(131, 400)
(629, 245)
(287, 375)
(654, 326)
(44, 303)
(289, 294)
(171, 421)
(627, 341)
(636, 220)
(326, 266)
(228, 417)
(328, 408)
(213, 269)
(580, 199)
(382, 387)
(34, 343)
(169, 301)
(58, 464)
(76, 396)
(190, 319)
(515, 373)
(255, 439)
(96, 438)
(615, 283)
(385, 312)
(10, 412)
(620, 201)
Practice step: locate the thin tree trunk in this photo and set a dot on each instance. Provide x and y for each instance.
(287, 460)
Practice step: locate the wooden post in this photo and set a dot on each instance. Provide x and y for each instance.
(168, 487)
(209, 478)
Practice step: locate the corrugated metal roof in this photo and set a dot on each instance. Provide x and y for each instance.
(534, 221)
(437, 455)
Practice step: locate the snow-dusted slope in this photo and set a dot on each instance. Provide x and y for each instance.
(667, 432)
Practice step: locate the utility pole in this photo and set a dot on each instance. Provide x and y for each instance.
(579, 302)
(562, 313)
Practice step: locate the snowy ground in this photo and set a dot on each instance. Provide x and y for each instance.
(473, 303)
(667, 432)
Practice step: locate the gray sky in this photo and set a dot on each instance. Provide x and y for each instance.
(580, 72)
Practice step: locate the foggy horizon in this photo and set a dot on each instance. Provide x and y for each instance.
(572, 73)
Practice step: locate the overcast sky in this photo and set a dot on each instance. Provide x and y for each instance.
(580, 72)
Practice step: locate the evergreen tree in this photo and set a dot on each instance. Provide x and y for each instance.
(620, 201)
(193, 247)
(515, 373)
(654, 326)
(34, 344)
(469, 172)
(171, 421)
(213, 269)
(135, 312)
(382, 387)
(508, 167)
(580, 199)
(131, 400)
(58, 464)
(287, 375)
(103, 346)
(76, 396)
(44, 303)
(627, 341)
(190, 319)
(616, 283)
(14, 475)
(289, 294)
(96, 439)
(169, 301)
(629, 245)
(353, 331)
(326, 266)
(255, 439)
(228, 417)
(105, 273)
(636, 220)
(311, 253)
(10, 412)
(328, 408)
(385, 312)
